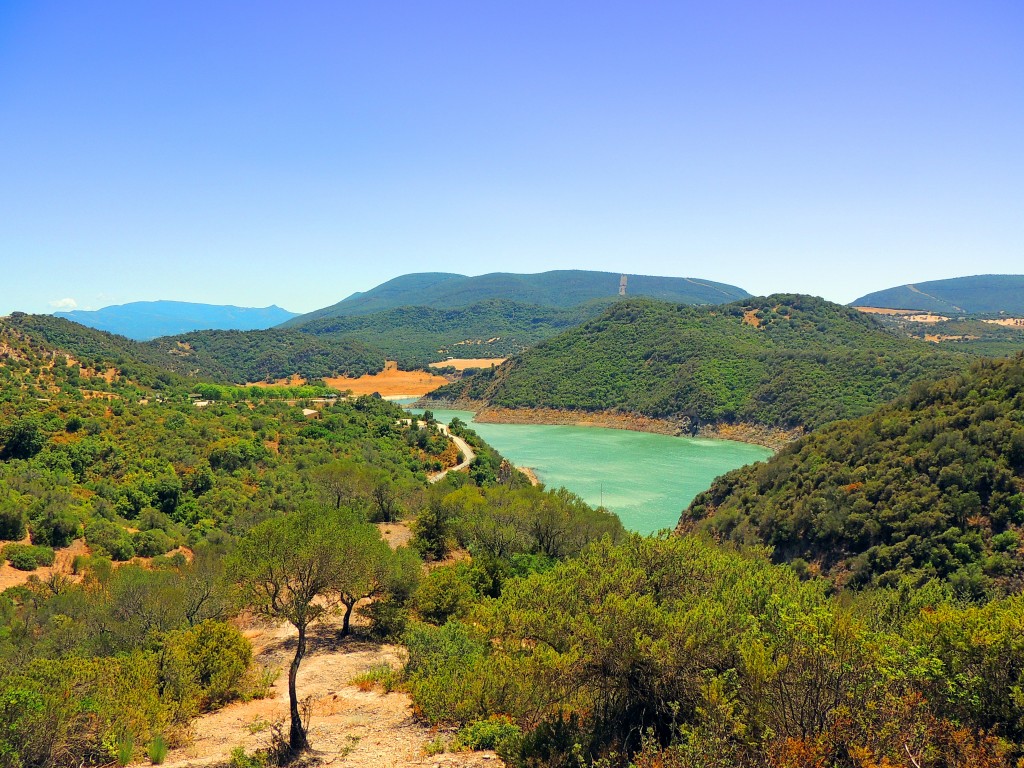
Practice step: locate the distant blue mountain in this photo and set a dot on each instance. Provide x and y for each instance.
(144, 320)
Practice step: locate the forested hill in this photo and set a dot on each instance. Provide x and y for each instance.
(783, 361)
(975, 295)
(929, 485)
(418, 336)
(143, 320)
(560, 288)
(228, 357)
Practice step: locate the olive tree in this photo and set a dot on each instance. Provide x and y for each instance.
(304, 567)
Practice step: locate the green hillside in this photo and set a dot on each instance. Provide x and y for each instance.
(142, 320)
(975, 295)
(560, 288)
(931, 485)
(229, 357)
(417, 336)
(783, 361)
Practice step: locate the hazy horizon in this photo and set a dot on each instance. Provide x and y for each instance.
(256, 155)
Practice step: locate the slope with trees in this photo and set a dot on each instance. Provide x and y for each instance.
(229, 357)
(98, 663)
(784, 361)
(929, 486)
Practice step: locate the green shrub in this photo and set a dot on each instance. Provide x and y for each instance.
(110, 539)
(12, 521)
(241, 759)
(27, 557)
(55, 529)
(497, 732)
(151, 543)
(124, 749)
(380, 675)
(202, 667)
(447, 593)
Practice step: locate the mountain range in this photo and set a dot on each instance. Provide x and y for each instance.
(144, 320)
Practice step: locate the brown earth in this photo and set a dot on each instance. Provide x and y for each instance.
(469, 362)
(63, 560)
(290, 381)
(885, 311)
(348, 727)
(1008, 322)
(390, 382)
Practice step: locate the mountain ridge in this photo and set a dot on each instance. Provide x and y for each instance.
(555, 288)
(145, 320)
(968, 295)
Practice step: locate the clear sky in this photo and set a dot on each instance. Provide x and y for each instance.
(290, 153)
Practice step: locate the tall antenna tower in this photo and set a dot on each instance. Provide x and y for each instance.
(622, 286)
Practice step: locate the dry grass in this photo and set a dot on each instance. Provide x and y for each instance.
(469, 362)
(390, 382)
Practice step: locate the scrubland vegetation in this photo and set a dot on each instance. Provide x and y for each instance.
(782, 361)
(854, 601)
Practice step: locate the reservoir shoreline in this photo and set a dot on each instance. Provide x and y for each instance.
(772, 438)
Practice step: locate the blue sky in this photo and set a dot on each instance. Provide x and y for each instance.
(254, 152)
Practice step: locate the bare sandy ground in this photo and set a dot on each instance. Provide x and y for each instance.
(348, 727)
(12, 577)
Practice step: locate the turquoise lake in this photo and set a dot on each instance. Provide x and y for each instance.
(647, 480)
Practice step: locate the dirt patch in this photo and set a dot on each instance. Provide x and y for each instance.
(469, 362)
(750, 317)
(290, 381)
(886, 311)
(395, 534)
(63, 560)
(1007, 322)
(348, 727)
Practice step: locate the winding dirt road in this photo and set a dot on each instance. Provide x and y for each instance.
(467, 454)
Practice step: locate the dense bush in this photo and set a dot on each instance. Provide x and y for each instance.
(107, 538)
(12, 520)
(929, 486)
(26, 557)
(678, 651)
(202, 667)
(785, 361)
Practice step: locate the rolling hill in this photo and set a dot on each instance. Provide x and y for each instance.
(975, 295)
(417, 336)
(783, 361)
(561, 288)
(927, 486)
(228, 357)
(144, 320)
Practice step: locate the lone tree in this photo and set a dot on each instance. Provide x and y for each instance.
(291, 568)
(305, 566)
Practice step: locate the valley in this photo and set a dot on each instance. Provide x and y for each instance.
(736, 501)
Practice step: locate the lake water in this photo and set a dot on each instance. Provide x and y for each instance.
(647, 480)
